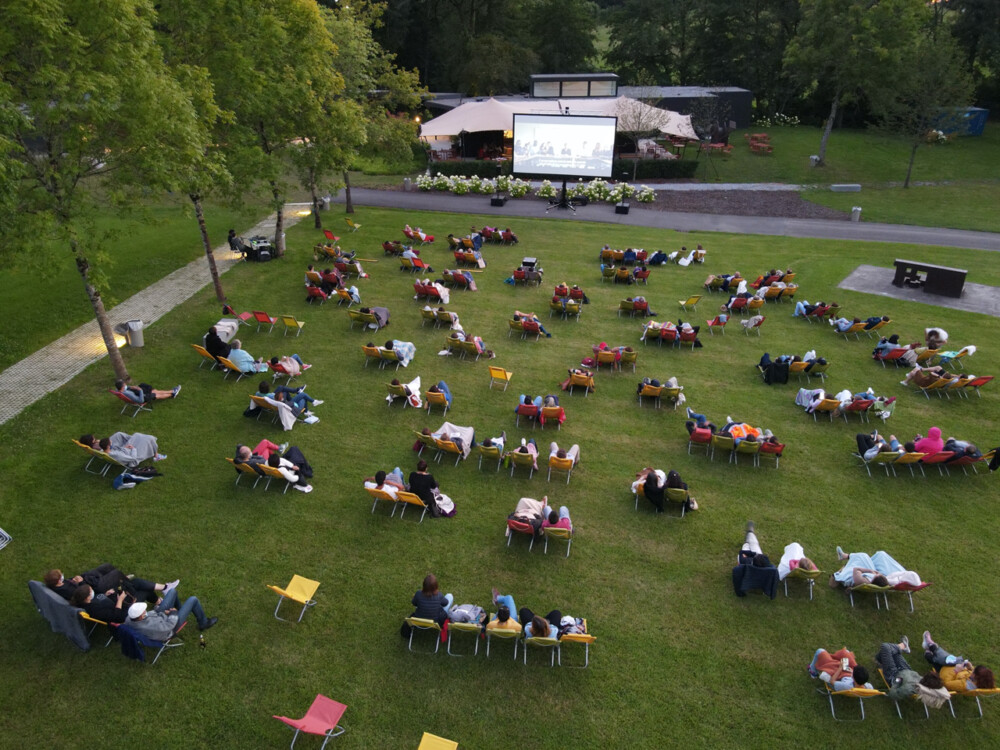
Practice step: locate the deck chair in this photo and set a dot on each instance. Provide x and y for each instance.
(877, 326)
(344, 296)
(686, 337)
(869, 588)
(606, 357)
(627, 306)
(771, 450)
(314, 276)
(263, 319)
(755, 327)
(677, 495)
(158, 646)
(93, 622)
(717, 324)
(468, 348)
(715, 284)
(426, 315)
(926, 354)
(894, 356)
(895, 701)
(628, 358)
(265, 407)
(549, 644)
(585, 638)
(641, 274)
(364, 318)
(431, 741)
(387, 357)
(818, 369)
(244, 469)
(322, 718)
(690, 302)
(977, 694)
(129, 403)
(420, 623)
(229, 367)
(372, 353)
(722, 443)
(702, 437)
(104, 461)
(299, 590)
(504, 635)
(553, 414)
(515, 326)
(397, 392)
(447, 446)
(205, 356)
(564, 465)
(909, 460)
(772, 293)
(436, 399)
(529, 411)
(523, 460)
(854, 330)
(529, 327)
(861, 406)
(291, 324)
(473, 628)
(826, 406)
(801, 574)
(884, 459)
(499, 375)
(861, 694)
(243, 317)
(314, 293)
(330, 236)
(608, 272)
(795, 368)
(378, 494)
(270, 472)
(747, 448)
(555, 532)
(409, 498)
(428, 441)
(905, 588)
(650, 391)
(573, 310)
(936, 459)
(754, 304)
(490, 453)
(581, 381)
(354, 226)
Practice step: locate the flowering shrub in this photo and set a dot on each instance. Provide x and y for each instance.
(459, 185)
(620, 192)
(518, 188)
(546, 190)
(777, 120)
(486, 187)
(503, 183)
(936, 136)
(441, 182)
(424, 182)
(597, 190)
(646, 194)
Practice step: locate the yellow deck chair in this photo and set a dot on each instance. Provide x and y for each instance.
(499, 375)
(553, 532)
(797, 368)
(490, 453)
(923, 354)
(447, 446)
(263, 405)
(819, 369)
(387, 357)
(473, 628)
(909, 460)
(364, 318)
(551, 644)
(94, 622)
(468, 348)
(606, 357)
(503, 634)
(826, 406)
(352, 224)
(753, 305)
(428, 314)
(378, 494)
(428, 441)
(723, 443)
(229, 367)
(299, 590)
(861, 694)
(854, 330)
(523, 460)
(884, 459)
(420, 623)
(881, 324)
(270, 473)
(747, 448)
(977, 694)
(573, 309)
(677, 495)
(408, 498)
(628, 358)
(801, 574)
(372, 353)
(436, 399)
(608, 272)
(105, 461)
(315, 277)
(585, 638)
(581, 381)
(205, 356)
(881, 593)
(565, 465)
(243, 469)
(653, 392)
(397, 391)
(626, 305)
(515, 326)
(432, 741)
(772, 293)
(344, 296)
(291, 324)
(691, 302)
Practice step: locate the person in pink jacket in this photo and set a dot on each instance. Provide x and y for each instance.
(930, 444)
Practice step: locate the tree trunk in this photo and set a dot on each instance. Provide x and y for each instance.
(348, 204)
(317, 219)
(200, 214)
(117, 363)
(909, 169)
(279, 224)
(828, 128)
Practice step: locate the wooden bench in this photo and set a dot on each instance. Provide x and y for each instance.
(935, 280)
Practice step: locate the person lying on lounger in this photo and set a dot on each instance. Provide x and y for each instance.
(957, 673)
(128, 450)
(880, 569)
(840, 670)
(144, 393)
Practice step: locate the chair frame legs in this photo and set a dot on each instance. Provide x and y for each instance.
(305, 606)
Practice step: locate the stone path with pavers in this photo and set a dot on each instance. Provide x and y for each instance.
(33, 377)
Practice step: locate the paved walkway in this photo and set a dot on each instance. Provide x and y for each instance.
(684, 222)
(27, 381)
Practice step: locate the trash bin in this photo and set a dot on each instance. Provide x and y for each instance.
(133, 333)
(856, 213)
(406, 184)
(813, 160)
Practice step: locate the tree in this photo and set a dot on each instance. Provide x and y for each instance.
(844, 47)
(927, 96)
(976, 26)
(86, 95)
(655, 39)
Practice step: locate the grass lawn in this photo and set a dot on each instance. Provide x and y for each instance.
(145, 248)
(679, 661)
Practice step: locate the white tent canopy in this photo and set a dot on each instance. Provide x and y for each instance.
(491, 114)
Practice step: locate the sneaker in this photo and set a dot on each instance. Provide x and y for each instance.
(303, 488)
(903, 382)
(176, 391)
(167, 587)
(496, 596)
(927, 642)
(906, 644)
(690, 413)
(159, 456)
(832, 322)
(317, 401)
(751, 527)
(301, 388)
(524, 442)
(208, 623)
(503, 435)
(812, 671)
(692, 504)
(840, 553)
(305, 367)
(729, 420)
(283, 447)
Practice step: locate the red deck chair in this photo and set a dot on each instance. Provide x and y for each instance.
(641, 274)
(818, 313)
(773, 450)
(700, 436)
(315, 293)
(263, 319)
(977, 382)
(528, 411)
(861, 406)
(738, 305)
(330, 236)
(578, 294)
(508, 237)
(687, 337)
(936, 459)
(668, 334)
(963, 462)
(717, 323)
(243, 317)
(520, 275)
(322, 719)
(519, 527)
(531, 327)
(894, 356)
(129, 403)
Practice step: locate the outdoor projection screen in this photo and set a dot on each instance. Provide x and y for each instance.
(563, 145)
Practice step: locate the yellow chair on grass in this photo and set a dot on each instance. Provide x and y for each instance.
(565, 465)
(378, 494)
(408, 498)
(499, 375)
(299, 590)
(206, 356)
(557, 532)
(860, 693)
(826, 406)
(291, 324)
(352, 224)
(436, 398)
(420, 623)
(691, 302)
(432, 741)
(585, 638)
(490, 453)
(801, 574)
(550, 644)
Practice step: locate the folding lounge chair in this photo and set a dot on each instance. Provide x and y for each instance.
(314, 293)
(409, 498)
(679, 496)
(490, 453)
(299, 590)
(344, 296)
(585, 638)
(228, 366)
(976, 695)
(397, 392)
(771, 450)
(801, 574)
(378, 494)
(884, 459)
(909, 460)
(691, 302)
(205, 356)
(515, 326)
(581, 381)
(746, 447)
(550, 644)
(263, 319)
(431, 741)
(104, 460)
(826, 406)
(895, 701)
(854, 331)
(716, 324)
(447, 446)
(565, 465)
(129, 403)
(499, 375)
(552, 414)
(420, 623)
(354, 226)
(436, 399)
(93, 622)
(556, 532)
(937, 459)
(291, 324)
(364, 318)
(861, 694)
(372, 353)
(700, 436)
(870, 588)
(472, 628)
(522, 460)
(270, 473)
(244, 469)
(529, 411)
(722, 443)
(265, 406)
(653, 392)
(861, 406)
(159, 646)
(881, 324)
(387, 357)
(672, 395)
(755, 327)
(322, 718)
(502, 634)
(606, 357)
(628, 358)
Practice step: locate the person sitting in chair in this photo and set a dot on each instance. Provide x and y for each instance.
(530, 316)
(957, 673)
(106, 580)
(903, 681)
(839, 670)
(128, 450)
(292, 365)
(551, 518)
(144, 393)
(111, 606)
(389, 483)
(880, 569)
(214, 344)
(754, 569)
(162, 622)
(244, 360)
(430, 603)
(297, 398)
(573, 453)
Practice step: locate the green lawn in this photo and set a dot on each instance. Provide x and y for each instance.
(679, 662)
(47, 290)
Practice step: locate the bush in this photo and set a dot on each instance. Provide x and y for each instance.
(664, 169)
(470, 168)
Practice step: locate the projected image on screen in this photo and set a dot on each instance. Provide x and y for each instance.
(563, 145)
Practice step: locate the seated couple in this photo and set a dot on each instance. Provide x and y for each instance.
(464, 438)
(668, 383)
(578, 372)
(422, 484)
(804, 307)
(128, 450)
(288, 460)
(553, 625)
(886, 346)
(538, 401)
(105, 592)
(739, 431)
(809, 357)
(540, 515)
(405, 350)
(725, 279)
(956, 673)
(531, 317)
(754, 569)
(879, 569)
(295, 398)
(162, 621)
(654, 483)
(144, 393)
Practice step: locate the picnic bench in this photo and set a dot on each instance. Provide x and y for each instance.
(933, 279)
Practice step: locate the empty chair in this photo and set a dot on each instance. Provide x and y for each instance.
(499, 375)
(322, 718)
(299, 590)
(263, 319)
(291, 324)
(432, 741)
(354, 226)
(689, 303)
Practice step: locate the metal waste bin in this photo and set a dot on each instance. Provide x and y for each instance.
(856, 213)
(406, 184)
(133, 333)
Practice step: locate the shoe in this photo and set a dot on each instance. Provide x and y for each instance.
(729, 420)
(168, 587)
(283, 447)
(548, 335)
(690, 412)
(927, 643)
(903, 382)
(317, 402)
(301, 388)
(812, 671)
(208, 623)
(751, 527)
(906, 644)
(692, 504)
(176, 391)
(503, 435)
(524, 442)
(159, 456)
(496, 596)
(832, 322)
(305, 367)
(306, 488)
(840, 553)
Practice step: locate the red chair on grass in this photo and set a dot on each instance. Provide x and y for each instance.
(718, 322)
(520, 527)
(243, 317)
(322, 718)
(330, 236)
(314, 293)
(263, 319)
(528, 411)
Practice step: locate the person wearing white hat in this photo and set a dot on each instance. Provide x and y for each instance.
(165, 618)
